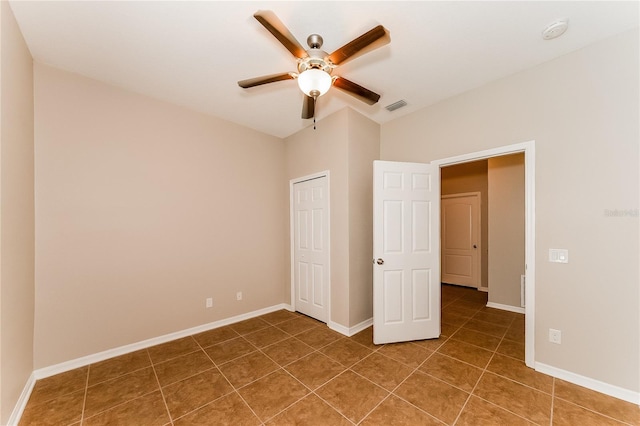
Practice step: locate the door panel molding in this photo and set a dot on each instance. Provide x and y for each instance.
(406, 248)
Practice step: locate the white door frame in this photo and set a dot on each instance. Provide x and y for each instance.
(528, 148)
(327, 290)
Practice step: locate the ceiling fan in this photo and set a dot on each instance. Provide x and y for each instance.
(315, 66)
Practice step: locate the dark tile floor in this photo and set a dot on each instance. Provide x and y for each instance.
(286, 369)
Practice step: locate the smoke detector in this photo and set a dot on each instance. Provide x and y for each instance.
(555, 29)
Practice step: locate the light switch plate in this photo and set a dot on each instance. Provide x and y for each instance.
(559, 255)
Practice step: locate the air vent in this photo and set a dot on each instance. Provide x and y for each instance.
(394, 106)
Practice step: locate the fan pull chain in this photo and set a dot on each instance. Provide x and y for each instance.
(315, 98)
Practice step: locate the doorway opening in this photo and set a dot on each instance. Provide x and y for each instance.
(524, 291)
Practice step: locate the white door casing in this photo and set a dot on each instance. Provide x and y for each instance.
(406, 250)
(460, 241)
(311, 247)
(529, 150)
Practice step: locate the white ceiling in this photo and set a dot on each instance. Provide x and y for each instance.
(193, 53)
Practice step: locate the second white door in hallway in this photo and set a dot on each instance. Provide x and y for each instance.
(461, 239)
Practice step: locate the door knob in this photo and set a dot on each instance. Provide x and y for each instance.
(379, 261)
(475, 246)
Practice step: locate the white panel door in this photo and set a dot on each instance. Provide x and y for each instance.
(406, 250)
(310, 257)
(461, 239)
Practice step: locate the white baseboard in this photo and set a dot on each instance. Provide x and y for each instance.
(509, 308)
(16, 414)
(41, 373)
(110, 353)
(350, 331)
(14, 418)
(589, 383)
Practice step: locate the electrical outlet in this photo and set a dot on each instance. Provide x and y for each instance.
(209, 302)
(555, 336)
(239, 295)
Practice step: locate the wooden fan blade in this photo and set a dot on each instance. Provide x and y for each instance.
(372, 39)
(308, 107)
(365, 95)
(257, 81)
(271, 22)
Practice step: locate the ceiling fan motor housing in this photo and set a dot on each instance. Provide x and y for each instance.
(315, 59)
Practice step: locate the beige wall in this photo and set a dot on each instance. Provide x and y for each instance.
(311, 151)
(364, 148)
(144, 210)
(471, 177)
(506, 228)
(582, 111)
(16, 213)
(345, 143)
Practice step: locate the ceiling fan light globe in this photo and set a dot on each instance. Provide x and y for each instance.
(314, 80)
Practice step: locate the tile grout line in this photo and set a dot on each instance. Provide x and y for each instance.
(391, 392)
(247, 404)
(371, 381)
(213, 400)
(505, 409)
(553, 400)
(486, 365)
(483, 371)
(119, 376)
(486, 370)
(329, 403)
(215, 365)
(495, 352)
(86, 391)
(471, 393)
(119, 404)
(375, 407)
(164, 400)
(417, 369)
(591, 410)
(235, 390)
(280, 367)
(311, 391)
